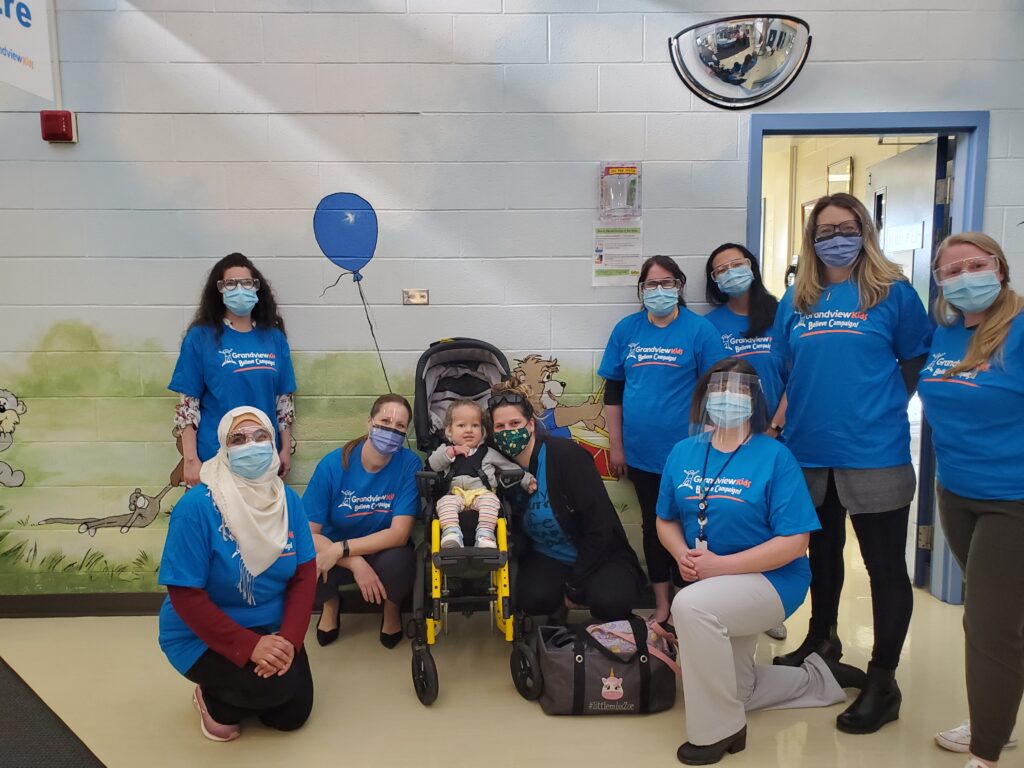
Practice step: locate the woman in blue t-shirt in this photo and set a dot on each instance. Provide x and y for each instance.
(653, 359)
(972, 388)
(570, 546)
(362, 503)
(734, 511)
(854, 334)
(240, 572)
(744, 314)
(234, 353)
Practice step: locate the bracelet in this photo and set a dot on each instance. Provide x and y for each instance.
(775, 427)
(344, 548)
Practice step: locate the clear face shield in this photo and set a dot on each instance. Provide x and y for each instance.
(734, 402)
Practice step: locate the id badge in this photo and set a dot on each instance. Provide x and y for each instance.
(701, 544)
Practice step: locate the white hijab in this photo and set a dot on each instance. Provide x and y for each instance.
(255, 512)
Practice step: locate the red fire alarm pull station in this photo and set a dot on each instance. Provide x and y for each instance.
(58, 126)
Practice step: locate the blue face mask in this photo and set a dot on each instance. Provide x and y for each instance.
(661, 301)
(729, 409)
(240, 300)
(251, 460)
(972, 291)
(839, 250)
(736, 281)
(386, 440)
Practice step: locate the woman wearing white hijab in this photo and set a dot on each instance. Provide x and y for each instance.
(240, 571)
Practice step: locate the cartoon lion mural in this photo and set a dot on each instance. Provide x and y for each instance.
(11, 411)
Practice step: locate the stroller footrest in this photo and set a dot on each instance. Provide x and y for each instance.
(469, 559)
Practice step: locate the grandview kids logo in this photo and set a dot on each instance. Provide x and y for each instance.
(741, 346)
(939, 365)
(248, 361)
(730, 486)
(366, 505)
(653, 355)
(830, 321)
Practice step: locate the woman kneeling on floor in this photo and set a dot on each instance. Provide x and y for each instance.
(240, 571)
(735, 513)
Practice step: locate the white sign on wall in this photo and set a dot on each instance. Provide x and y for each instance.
(25, 46)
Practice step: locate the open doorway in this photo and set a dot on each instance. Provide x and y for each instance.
(922, 176)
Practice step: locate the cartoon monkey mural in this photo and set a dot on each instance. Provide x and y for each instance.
(11, 411)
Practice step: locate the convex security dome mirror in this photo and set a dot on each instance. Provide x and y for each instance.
(741, 61)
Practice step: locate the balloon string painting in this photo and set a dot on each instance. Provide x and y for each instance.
(345, 227)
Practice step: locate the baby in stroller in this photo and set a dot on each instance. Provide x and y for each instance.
(471, 468)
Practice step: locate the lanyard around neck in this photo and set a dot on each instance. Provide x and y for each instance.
(705, 488)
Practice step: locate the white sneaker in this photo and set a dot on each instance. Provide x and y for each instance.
(777, 633)
(451, 538)
(486, 540)
(959, 739)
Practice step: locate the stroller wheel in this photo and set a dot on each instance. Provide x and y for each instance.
(526, 672)
(424, 676)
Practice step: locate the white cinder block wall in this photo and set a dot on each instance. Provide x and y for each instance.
(475, 127)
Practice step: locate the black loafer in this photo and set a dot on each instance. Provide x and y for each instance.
(691, 754)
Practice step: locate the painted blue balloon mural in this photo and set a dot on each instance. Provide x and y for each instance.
(345, 226)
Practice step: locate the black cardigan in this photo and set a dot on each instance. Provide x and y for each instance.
(582, 508)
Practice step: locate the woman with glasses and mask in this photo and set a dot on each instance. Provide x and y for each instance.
(972, 389)
(650, 366)
(362, 503)
(734, 511)
(234, 353)
(570, 546)
(240, 571)
(855, 335)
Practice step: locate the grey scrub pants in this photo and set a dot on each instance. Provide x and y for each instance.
(718, 622)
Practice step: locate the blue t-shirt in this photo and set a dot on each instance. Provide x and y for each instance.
(977, 417)
(240, 369)
(760, 495)
(197, 553)
(539, 522)
(660, 367)
(847, 403)
(351, 503)
(756, 351)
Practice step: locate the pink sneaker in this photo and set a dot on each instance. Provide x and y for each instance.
(213, 730)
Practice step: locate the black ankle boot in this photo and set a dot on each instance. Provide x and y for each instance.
(878, 703)
(830, 649)
(691, 754)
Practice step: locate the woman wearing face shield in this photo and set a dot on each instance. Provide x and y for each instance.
(240, 571)
(972, 388)
(362, 503)
(654, 357)
(855, 335)
(234, 353)
(734, 511)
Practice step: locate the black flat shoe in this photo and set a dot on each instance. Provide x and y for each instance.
(328, 636)
(691, 754)
(847, 675)
(389, 640)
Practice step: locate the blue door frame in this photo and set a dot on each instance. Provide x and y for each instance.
(945, 579)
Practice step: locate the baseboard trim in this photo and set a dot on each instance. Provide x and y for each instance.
(94, 604)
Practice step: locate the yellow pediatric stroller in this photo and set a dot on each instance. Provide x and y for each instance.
(468, 579)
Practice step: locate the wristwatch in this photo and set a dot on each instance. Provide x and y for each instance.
(344, 548)
(777, 429)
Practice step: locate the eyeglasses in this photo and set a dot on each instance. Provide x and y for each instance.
(825, 231)
(717, 272)
(505, 398)
(249, 283)
(667, 283)
(947, 272)
(248, 435)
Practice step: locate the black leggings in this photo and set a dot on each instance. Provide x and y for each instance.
(233, 693)
(611, 592)
(883, 543)
(395, 567)
(659, 562)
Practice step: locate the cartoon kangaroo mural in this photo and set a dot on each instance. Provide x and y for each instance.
(11, 411)
(142, 508)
